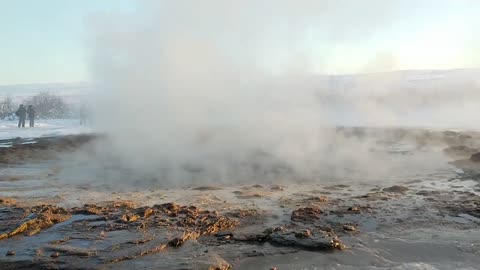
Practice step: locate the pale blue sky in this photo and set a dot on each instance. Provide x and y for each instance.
(46, 40)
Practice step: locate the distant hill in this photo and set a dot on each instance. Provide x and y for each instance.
(425, 80)
(439, 84)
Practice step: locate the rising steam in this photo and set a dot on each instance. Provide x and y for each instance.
(225, 91)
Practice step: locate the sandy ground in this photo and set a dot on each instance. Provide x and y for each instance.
(415, 215)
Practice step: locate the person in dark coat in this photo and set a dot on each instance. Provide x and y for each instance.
(31, 115)
(22, 114)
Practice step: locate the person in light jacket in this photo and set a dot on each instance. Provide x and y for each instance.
(31, 115)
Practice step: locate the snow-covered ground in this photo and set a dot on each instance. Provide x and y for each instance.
(43, 128)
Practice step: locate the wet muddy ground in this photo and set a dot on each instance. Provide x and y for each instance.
(425, 214)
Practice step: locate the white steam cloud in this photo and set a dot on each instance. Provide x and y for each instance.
(226, 91)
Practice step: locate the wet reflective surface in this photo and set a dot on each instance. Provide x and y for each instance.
(420, 212)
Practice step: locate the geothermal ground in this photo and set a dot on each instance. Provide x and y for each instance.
(421, 212)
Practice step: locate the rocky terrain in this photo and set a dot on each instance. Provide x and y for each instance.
(412, 221)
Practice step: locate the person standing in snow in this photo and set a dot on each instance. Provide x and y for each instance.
(31, 115)
(22, 114)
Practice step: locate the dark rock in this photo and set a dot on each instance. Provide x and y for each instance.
(272, 230)
(396, 189)
(306, 214)
(349, 228)
(173, 207)
(428, 192)
(241, 213)
(450, 133)
(7, 201)
(178, 241)
(224, 235)
(277, 188)
(89, 209)
(206, 188)
(40, 217)
(55, 255)
(475, 157)
(354, 209)
(303, 233)
(261, 238)
(460, 150)
(221, 267)
(336, 187)
(146, 212)
(129, 217)
(314, 242)
(316, 199)
(124, 204)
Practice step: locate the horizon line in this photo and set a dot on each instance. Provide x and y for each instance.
(312, 73)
